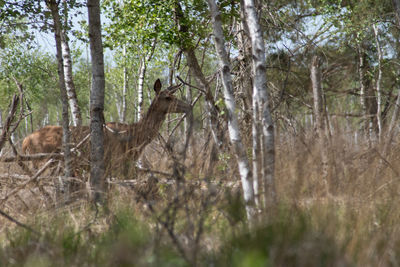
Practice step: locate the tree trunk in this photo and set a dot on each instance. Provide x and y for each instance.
(96, 102)
(69, 81)
(396, 111)
(318, 109)
(234, 133)
(396, 5)
(249, 127)
(142, 75)
(53, 6)
(378, 83)
(122, 114)
(244, 44)
(363, 102)
(211, 108)
(188, 100)
(368, 101)
(198, 74)
(260, 101)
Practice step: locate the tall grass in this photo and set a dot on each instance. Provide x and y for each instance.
(202, 221)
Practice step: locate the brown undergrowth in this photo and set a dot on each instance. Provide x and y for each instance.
(191, 212)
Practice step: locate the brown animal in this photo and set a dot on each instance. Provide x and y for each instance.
(119, 139)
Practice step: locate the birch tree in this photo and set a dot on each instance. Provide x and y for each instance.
(234, 133)
(396, 112)
(123, 109)
(53, 6)
(318, 110)
(367, 95)
(200, 78)
(261, 113)
(378, 82)
(96, 102)
(69, 81)
(142, 74)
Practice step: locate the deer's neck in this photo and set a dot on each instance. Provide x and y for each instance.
(145, 130)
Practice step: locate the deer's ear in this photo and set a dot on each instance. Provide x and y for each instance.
(157, 86)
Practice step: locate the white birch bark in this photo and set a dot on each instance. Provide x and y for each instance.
(317, 96)
(250, 103)
(142, 75)
(320, 125)
(122, 114)
(234, 133)
(363, 101)
(96, 102)
(396, 110)
(379, 83)
(118, 104)
(142, 72)
(53, 6)
(69, 81)
(261, 99)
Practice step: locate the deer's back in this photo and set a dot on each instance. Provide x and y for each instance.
(45, 140)
(49, 139)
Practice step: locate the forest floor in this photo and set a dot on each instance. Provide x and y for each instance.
(190, 216)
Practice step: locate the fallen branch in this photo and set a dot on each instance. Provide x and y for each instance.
(201, 184)
(34, 178)
(8, 217)
(39, 156)
(19, 162)
(24, 177)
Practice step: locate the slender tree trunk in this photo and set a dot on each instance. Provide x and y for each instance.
(317, 96)
(320, 125)
(118, 104)
(261, 100)
(69, 81)
(396, 111)
(188, 100)
(246, 91)
(96, 102)
(211, 108)
(379, 83)
(142, 75)
(368, 99)
(122, 117)
(244, 44)
(234, 133)
(363, 101)
(396, 5)
(53, 6)
(1, 119)
(198, 74)
(2, 129)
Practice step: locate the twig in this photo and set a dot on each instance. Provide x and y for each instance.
(10, 117)
(190, 85)
(20, 163)
(8, 217)
(34, 178)
(37, 156)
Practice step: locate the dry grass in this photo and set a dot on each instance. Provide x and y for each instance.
(356, 224)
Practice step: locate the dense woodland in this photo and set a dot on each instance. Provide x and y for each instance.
(199, 133)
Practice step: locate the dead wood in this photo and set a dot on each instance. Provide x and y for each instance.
(10, 117)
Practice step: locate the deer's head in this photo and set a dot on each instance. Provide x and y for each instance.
(166, 102)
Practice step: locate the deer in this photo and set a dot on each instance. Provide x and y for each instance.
(120, 139)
